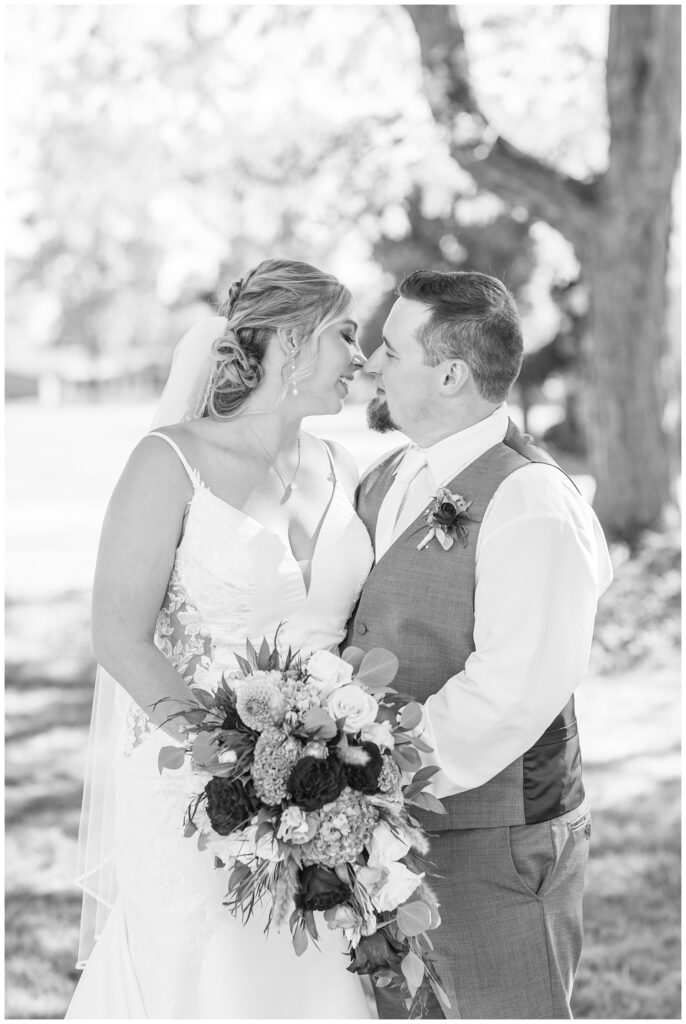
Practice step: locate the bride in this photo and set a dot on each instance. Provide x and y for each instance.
(226, 522)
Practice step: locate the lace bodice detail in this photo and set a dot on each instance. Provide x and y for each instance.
(233, 579)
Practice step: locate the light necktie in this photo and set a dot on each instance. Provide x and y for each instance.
(412, 480)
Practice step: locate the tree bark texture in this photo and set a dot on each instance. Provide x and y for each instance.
(618, 223)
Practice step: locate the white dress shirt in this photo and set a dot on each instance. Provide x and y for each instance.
(409, 493)
(541, 565)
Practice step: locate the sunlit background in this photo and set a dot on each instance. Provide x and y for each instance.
(157, 152)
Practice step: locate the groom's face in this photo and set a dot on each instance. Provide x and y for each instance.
(405, 385)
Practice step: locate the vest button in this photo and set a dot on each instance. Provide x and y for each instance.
(361, 628)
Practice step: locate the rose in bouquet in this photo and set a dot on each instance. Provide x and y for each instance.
(310, 769)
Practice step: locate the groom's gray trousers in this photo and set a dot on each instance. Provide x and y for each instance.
(511, 924)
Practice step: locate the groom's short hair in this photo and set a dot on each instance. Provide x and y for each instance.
(473, 318)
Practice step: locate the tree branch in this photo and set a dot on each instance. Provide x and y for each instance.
(496, 164)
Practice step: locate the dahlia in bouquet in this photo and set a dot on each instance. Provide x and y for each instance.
(309, 769)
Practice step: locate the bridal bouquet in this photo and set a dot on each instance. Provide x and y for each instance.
(310, 769)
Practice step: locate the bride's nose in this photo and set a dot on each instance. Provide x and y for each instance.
(359, 359)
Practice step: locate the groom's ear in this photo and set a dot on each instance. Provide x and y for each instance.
(454, 375)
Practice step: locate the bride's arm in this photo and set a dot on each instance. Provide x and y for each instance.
(139, 537)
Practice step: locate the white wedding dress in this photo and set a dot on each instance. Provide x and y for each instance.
(170, 949)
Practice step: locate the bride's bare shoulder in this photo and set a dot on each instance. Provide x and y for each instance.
(156, 467)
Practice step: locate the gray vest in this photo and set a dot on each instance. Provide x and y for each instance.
(420, 605)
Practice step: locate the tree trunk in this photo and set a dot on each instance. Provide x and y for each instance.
(619, 225)
(626, 268)
(625, 261)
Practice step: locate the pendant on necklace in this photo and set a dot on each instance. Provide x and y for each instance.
(287, 493)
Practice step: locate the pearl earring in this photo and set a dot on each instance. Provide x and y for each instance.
(294, 386)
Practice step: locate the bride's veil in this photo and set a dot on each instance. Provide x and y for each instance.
(96, 875)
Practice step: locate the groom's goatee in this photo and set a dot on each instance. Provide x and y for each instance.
(379, 417)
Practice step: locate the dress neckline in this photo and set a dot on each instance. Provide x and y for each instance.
(300, 564)
(199, 485)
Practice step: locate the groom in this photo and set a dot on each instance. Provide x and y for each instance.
(493, 633)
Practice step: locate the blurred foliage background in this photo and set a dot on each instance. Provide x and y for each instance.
(157, 152)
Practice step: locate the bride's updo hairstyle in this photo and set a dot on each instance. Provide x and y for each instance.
(276, 294)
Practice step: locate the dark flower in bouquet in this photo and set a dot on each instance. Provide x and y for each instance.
(375, 952)
(319, 888)
(365, 777)
(314, 782)
(230, 804)
(231, 719)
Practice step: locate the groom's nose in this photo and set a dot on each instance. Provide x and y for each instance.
(372, 364)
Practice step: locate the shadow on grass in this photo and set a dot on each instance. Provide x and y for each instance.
(630, 968)
(41, 938)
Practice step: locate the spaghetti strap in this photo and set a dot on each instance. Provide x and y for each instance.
(332, 461)
(192, 473)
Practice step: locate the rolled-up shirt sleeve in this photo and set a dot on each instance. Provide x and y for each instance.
(542, 563)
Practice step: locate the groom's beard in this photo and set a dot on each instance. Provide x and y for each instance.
(379, 417)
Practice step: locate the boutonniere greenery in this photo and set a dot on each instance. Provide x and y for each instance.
(447, 518)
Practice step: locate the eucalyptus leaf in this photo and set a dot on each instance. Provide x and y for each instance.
(421, 745)
(379, 667)
(406, 758)
(411, 716)
(425, 773)
(203, 697)
(413, 969)
(171, 757)
(205, 749)
(318, 724)
(300, 940)
(383, 978)
(354, 656)
(429, 803)
(413, 918)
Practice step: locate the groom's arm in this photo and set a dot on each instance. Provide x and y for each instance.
(541, 566)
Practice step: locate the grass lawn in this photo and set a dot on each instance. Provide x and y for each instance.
(629, 726)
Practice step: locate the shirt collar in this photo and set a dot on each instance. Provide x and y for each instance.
(452, 454)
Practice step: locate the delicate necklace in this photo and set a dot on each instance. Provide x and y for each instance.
(288, 485)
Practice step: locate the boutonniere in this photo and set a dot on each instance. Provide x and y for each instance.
(446, 518)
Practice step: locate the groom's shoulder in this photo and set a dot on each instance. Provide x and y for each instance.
(374, 470)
